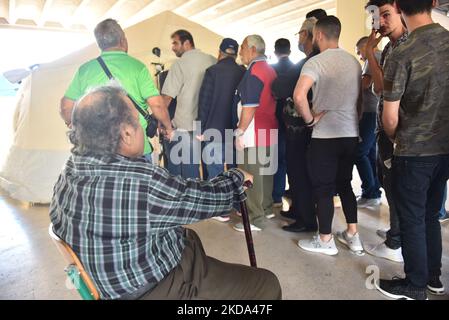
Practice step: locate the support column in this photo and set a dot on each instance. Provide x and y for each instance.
(353, 20)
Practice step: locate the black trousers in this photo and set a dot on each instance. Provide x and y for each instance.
(331, 162)
(385, 153)
(303, 205)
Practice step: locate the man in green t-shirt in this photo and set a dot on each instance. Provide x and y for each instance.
(132, 75)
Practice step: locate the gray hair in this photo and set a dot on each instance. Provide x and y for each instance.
(257, 42)
(308, 26)
(108, 34)
(97, 119)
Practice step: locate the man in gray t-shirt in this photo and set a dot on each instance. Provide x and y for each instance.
(334, 76)
(184, 83)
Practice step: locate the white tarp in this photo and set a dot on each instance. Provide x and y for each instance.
(40, 146)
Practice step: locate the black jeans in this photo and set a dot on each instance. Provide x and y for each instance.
(303, 204)
(385, 153)
(418, 187)
(330, 164)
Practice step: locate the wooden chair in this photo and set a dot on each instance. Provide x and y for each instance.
(75, 270)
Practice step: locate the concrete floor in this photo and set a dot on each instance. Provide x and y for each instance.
(32, 268)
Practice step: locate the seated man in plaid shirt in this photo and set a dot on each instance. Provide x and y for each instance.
(123, 217)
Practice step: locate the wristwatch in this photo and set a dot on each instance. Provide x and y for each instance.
(238, 133)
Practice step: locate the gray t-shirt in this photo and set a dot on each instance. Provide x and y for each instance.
(370, 100)
(336, 90)
(184, 83)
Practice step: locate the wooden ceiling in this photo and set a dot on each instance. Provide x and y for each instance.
(235, 18)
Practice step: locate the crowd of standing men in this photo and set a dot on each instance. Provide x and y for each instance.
(314, 121)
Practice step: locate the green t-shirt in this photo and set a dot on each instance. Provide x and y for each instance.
(132, 74)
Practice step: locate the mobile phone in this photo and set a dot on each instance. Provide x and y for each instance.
(375, 13)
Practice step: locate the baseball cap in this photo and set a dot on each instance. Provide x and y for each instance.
(229, 46)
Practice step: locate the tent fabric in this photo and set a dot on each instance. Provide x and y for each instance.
(40, 146)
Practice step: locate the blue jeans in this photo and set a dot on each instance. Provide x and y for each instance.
(443, 207)
(419, 184)
(281, 174)
(214, 158)
(183, 155)
(366, 157)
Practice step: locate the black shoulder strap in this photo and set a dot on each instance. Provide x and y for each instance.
(144, 113)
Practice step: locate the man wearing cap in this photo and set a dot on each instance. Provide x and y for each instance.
(215, 108)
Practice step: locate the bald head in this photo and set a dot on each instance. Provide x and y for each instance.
(97, 120)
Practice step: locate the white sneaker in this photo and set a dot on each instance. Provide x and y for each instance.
(240, 228)
(382, 251)
(352, 242)
(316, 245)
(368, 203)
(382, 233)
(222, 218)
(270, 216)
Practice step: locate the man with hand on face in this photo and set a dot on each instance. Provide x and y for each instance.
(392, 27)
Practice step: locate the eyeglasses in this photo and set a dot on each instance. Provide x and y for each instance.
(299, 32)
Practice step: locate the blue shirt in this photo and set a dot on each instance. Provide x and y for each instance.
(217, 95)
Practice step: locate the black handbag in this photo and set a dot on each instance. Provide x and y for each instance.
(152, 123)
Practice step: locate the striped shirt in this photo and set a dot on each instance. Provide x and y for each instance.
(123, 217)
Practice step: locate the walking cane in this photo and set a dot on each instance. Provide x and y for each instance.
(247, 227)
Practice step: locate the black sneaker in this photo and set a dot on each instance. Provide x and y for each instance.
(287, 215)
(435, 286)
(298, 228)
(401, 289)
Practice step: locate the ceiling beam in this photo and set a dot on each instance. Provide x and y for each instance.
(279, 19)
(12, 17)
(44, 13)
(81, 7)
(239, 10)
(182, 7)
(117, 5)
(207, 9)
(261, 15)
(152, 9)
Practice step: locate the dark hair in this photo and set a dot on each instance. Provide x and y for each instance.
(361, 40)
(379, 3)
(184, 36)
(317, 13)
(412, 7)
(282, 46)
(96, 122)
(330, 26)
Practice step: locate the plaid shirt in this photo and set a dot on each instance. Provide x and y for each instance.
(385, 54)
(124, 217)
